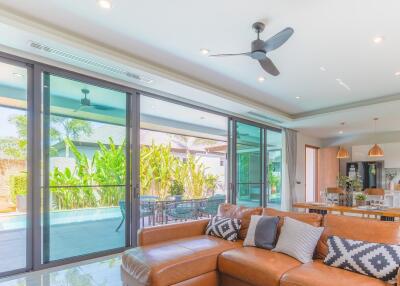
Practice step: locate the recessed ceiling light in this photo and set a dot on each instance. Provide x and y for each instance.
(261, 78)
(298, 97)
(397, 73)
(204, 51)
(322, 69)
(105, 4)
(340, 131)
(378, 39)
(17, 74)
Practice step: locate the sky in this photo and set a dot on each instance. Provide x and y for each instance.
(7, 129)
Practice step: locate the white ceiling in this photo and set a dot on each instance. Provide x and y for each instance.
(335, 34)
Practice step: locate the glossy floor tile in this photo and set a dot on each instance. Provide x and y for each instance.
(99, 272)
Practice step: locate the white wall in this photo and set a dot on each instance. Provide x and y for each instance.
(302, 141)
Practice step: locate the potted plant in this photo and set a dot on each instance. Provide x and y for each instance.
(360, 199)
(343, 182)
(176, 190)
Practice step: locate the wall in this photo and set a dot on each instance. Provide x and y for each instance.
(302, 141)
(328, 168)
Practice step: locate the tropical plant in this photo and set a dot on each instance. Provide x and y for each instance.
(157, 167)
(194, 173)
(177, 188)
(16, 147)
(211, 182)
(72, 129)
(18, 185)
(273, 180)
(110, 169)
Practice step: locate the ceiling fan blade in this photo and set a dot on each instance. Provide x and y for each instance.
(229, 55)
(269, 66)
(278, 40)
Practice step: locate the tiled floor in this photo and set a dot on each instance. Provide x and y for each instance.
(99, 272)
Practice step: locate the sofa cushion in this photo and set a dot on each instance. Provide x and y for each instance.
(224, 227)
(357, 229)
(298, 239)
(174, 261)
(239, 212)
(255, 266)
(373, 259)
(318, 274)
(262, 231)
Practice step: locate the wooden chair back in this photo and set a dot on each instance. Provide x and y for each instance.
(334, 190)
(375, 192)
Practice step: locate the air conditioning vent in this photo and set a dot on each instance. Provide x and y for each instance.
(88, 62)
(264, 117)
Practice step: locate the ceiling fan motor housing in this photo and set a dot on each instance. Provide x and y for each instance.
(257, 49)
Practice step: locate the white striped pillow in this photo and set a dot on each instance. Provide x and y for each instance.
(298, 239)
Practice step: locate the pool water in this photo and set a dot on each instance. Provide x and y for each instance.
(18, 221)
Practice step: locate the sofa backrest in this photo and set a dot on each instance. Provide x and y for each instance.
(239, 212)
(310, 218)
(357, 228)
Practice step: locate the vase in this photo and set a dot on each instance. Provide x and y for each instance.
(391, 185)
(349, 199)
(360, 203)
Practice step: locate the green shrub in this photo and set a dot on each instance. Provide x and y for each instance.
(18, 185)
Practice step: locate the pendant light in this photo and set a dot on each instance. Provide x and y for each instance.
(376, 150)
(342, 152)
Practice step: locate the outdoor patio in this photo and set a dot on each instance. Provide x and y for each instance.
(68, 238)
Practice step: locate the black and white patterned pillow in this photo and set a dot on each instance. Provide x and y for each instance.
(378, 260)
(226, 228)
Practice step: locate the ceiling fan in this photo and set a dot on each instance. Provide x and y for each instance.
(260, 48)
(85, 102)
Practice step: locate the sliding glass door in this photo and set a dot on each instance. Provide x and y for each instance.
(86, 175)
(256, 169)
(14, 192)
(274, 168)
(249, 164)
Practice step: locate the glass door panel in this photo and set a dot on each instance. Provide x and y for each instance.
(85, 181)
(13, 168)
(274, 168)
(249, 162)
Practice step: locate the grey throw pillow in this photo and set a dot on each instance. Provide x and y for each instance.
(298, 239)
(262, 231)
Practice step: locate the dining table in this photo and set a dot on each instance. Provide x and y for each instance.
(384, 213)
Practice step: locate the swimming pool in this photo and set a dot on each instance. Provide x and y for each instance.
(18, 221)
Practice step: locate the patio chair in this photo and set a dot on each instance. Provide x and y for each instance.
(122, 207)
(147, 209)
(210, 206)
(182, 210)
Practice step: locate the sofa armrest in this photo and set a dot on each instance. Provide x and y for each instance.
(163, 233)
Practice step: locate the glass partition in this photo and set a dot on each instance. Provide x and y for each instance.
(84, 168)
(249, 160)
(13, 167)
(183, 162)
(274, 168)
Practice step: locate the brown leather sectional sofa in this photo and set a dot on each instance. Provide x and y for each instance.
(181, 255)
